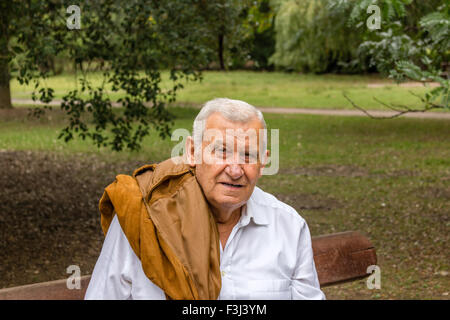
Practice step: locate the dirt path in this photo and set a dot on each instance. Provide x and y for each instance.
(322, 112)
(375, 113)
(410, 84)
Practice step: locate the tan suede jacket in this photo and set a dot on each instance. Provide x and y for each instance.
(169, 225)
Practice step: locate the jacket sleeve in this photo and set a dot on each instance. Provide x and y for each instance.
(305, 284)
(118, 272)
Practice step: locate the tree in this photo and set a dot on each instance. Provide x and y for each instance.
(244, 33)
(260, 33)
(127, 42)
(5, 92)
(224, 19)
(413, 44)
(314, 36)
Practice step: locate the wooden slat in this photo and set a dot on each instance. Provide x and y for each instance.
(51, 290)
(342, 257)
(339, 257)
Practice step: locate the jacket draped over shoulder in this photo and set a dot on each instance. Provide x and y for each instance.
(169, 225)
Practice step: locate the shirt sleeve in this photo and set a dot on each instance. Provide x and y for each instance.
(305, 283)
(118, 273)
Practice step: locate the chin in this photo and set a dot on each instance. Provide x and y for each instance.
(227, 201)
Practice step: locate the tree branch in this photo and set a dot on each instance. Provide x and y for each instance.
(400, 109)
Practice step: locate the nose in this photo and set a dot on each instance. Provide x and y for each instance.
(234, 171)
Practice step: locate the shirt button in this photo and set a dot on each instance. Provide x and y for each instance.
(223, 273)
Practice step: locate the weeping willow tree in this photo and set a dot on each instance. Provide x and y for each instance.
(315, 36)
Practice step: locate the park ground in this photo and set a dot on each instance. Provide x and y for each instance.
(389, 180)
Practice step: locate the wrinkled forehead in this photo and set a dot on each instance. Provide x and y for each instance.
(218, 122)
(221, 130)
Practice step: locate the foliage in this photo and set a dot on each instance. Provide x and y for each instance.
(389, 9)
(225, 34)
(412, 42)
(404, 53)
(129, 43)
(332, 35)
(243, 33)
(314, 36)
(259, 36)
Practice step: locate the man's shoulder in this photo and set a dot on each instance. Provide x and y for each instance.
(274, 208)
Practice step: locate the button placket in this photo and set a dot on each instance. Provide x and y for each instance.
(237, 231)
(229, 249)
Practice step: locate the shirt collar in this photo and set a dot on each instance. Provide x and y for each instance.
(252, 212)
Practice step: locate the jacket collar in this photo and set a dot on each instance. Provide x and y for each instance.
(162, 171)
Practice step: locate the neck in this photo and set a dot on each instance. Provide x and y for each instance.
(227, 218)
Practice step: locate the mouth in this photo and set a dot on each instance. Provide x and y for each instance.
(232, 185)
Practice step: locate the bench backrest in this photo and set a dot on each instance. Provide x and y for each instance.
(339, 257)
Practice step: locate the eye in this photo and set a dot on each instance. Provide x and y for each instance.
(220, 151)
(249, 157)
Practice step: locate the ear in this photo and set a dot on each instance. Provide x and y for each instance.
(189, 153)
(264, 162)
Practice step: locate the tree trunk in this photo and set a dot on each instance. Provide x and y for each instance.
(220, 51)
(5, 98)
(5, 92)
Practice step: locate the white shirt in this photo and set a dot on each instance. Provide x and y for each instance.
(268, 255)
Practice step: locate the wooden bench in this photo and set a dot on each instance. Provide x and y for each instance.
(339, 257)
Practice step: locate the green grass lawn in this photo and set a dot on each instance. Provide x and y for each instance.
(390, 180)
(268, 89)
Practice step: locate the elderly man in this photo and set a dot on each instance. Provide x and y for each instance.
(205, 231)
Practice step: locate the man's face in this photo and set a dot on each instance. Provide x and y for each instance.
(230, 165)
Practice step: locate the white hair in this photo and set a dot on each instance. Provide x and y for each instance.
(232, 110)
